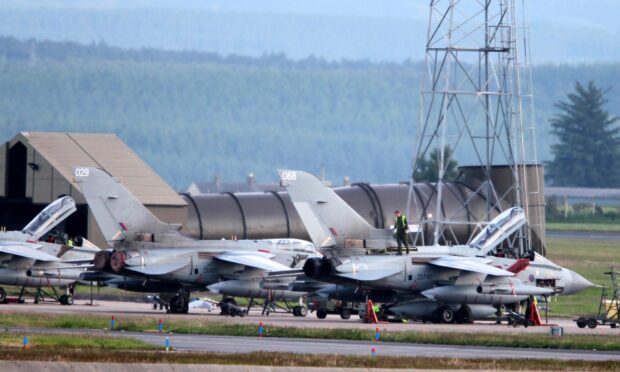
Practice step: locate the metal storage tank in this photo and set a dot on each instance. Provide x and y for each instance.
(271, 214)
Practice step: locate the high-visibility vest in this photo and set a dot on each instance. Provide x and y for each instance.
(401, 222)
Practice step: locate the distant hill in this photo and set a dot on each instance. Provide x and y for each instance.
(191, 115)
(561, 31)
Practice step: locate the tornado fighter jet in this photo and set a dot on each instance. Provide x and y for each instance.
(148, 255)
(435, 282)
(28, 263)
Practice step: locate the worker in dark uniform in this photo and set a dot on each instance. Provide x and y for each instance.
(402, 230)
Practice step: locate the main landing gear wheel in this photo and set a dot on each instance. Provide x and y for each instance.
(345, 314)
(2, 295)
(464, 315)
(445, 314)
(179, 304)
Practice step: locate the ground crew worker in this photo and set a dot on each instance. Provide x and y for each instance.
(402, 230)
(70, 243)
(376, 308)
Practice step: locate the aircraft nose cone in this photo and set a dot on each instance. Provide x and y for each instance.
(577, 283)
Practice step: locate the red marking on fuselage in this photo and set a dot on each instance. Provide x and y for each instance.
(519, 266)
(264, 250)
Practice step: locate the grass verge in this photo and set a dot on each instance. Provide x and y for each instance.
(306, 360)
(54, 342)
(588, 227)
(138, 324)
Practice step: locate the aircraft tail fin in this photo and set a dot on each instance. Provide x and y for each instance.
(329, 220)
(120, 216)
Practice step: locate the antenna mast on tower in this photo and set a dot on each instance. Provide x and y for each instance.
(476, 100)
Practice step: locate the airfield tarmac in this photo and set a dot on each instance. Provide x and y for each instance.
(131, 309)
(240, 344)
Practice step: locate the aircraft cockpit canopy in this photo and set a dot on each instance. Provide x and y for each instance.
(49, 217)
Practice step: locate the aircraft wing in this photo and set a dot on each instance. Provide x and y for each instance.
(262, 262)
(370, 275)
(468, 264)
(158, 269)
(26, 250)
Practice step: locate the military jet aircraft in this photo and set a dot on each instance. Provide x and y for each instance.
(435, 282)
(148, 255)
(29, 263)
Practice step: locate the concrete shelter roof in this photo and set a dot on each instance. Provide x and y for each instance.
(105, 151)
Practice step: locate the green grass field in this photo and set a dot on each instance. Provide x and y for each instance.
(590, 258)
(53, 342)
(575, 226)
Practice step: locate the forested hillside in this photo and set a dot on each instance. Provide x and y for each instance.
(191, 115)
(393, 30)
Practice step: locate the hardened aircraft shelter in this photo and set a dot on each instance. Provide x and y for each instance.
(36, 168)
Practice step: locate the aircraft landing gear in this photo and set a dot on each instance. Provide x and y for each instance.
(2, 295)
(179, 304)
(300, 311)
(345, 313)
(445, 315)
(66, 299)
(464, 315)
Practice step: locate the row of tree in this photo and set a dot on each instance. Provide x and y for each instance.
(191, 116)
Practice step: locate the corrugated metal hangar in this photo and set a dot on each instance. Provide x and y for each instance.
(37, 169)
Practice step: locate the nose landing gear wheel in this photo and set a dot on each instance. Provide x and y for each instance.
(300, 311)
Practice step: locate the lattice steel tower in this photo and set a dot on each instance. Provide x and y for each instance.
(476, 99)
